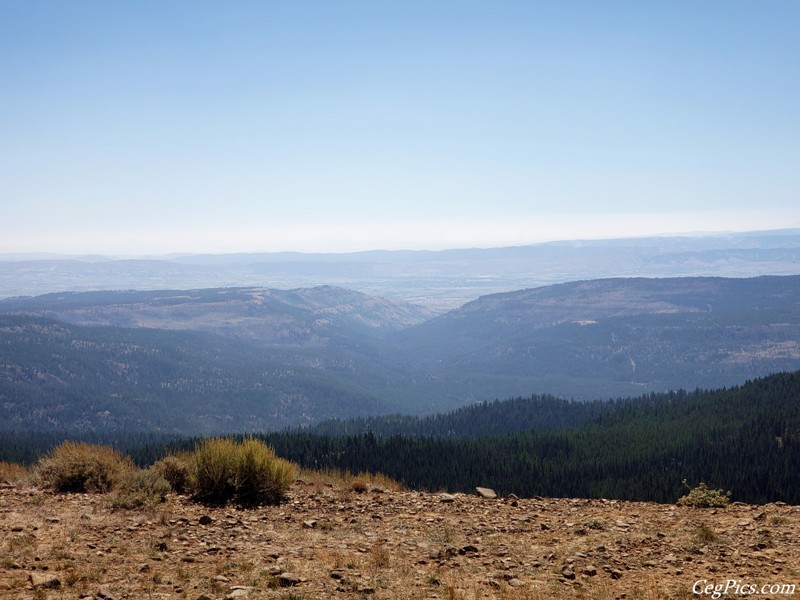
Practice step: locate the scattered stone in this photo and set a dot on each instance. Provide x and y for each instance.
(486, 492)
(288, 580)
(44, 580)
(670, 558)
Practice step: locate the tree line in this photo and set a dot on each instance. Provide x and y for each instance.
(745, 439)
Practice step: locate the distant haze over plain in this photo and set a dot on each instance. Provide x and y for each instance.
(440, 280)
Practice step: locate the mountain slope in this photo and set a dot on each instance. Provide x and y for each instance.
(310, 316)
(248, 359)
(55, 375)
(615, 336)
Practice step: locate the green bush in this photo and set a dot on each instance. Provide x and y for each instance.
(176, 471)
(704, 497)
(140, 488)
(82, 467)
(249, 473)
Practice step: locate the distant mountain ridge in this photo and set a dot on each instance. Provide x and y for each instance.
(441, 280)
(245, 359)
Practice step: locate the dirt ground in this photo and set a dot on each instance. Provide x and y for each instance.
(328, 541)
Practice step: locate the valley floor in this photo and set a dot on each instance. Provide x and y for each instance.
(327, 541)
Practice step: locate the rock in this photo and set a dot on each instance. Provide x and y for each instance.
(206, 520)
(589, 571)
(288, 579)
(238, 593)
(486, 492)
(447, 498)
(469, 549)
(514, 582)
(567, 573)
(44, 581)
(310, 524)
(104, 594)
(616, 574)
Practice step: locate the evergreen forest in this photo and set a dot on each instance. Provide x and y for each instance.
(745, 439)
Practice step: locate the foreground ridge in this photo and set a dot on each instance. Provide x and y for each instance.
(330, 541)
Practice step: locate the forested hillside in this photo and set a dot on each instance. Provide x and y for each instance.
(615, 337)
(745, 439)
(62, 377)
(252, 359)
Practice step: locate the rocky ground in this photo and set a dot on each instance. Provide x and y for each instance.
(328, 541)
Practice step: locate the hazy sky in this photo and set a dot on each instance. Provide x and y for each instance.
(147, 127)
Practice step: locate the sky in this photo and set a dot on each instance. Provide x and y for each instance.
(148, 127)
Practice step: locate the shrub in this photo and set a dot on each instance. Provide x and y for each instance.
(140, 488)
(261, 477)
(82, 467)
(248, 473)
(176, 471)
(704, 497)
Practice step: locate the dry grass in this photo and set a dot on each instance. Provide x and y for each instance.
(13, 473)
(359, 482)
(82, 467)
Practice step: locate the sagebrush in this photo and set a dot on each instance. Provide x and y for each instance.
(176, 470)
(247, 473)
(704, 497)
(140, 488)
(81, 467)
